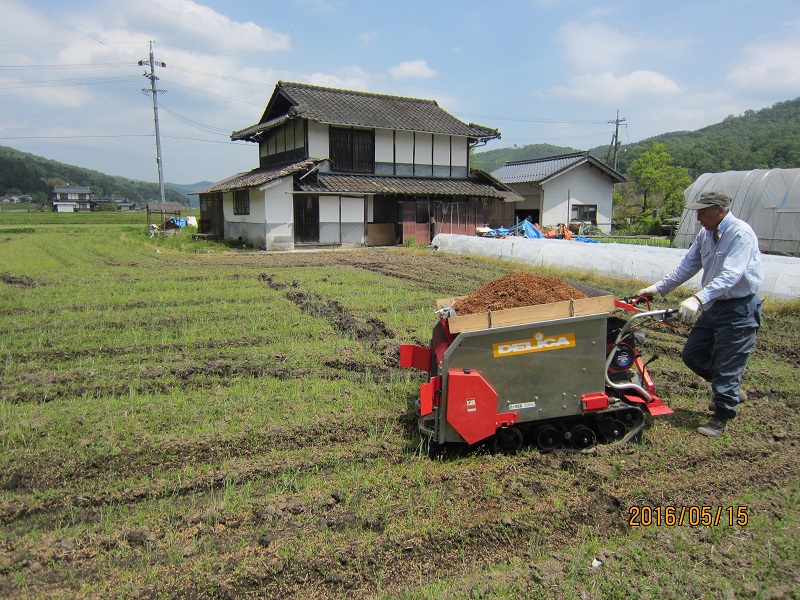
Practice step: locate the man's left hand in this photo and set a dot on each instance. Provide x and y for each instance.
(688, 309)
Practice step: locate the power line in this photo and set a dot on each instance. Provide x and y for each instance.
(196, 124)
(91, 37)
(527, 120)
(169, 81)
(223, 77)
(73, 137)
(64, 66)
(18, 85)
(118, 135)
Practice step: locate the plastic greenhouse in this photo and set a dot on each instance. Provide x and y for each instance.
(768, 199)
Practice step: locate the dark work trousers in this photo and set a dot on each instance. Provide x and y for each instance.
(719, 346)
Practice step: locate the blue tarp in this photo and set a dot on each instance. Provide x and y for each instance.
(526, 228)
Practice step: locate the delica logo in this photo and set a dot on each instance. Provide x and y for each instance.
(539, 343)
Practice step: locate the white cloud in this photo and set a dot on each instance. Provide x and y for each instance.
(769, 66)
(350, 78)
(594, 45)
(412, 69)
(187, 23)
(607, 87)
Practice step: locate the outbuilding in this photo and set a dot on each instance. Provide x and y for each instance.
(562, 189)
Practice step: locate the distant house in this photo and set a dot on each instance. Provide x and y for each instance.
(16, 199)
(71, 198)
(563, 189)
(343, 167)
(118, 203)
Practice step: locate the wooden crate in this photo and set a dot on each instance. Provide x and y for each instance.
(598, 302)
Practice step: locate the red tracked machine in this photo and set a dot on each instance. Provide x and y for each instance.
(556, 381)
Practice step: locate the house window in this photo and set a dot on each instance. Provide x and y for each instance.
(585, 212)
(241, 202)
(423, 212)
(352, 150)
(285, 138)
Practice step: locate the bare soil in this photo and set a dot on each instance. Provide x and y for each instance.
(514, 291)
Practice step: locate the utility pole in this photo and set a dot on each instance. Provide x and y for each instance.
(152, 77)
(615, 140)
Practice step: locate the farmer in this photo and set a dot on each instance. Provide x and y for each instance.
(724, 335)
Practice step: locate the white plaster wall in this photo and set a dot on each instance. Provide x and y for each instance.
(533, 197)
(460, 153)
(423, 145)
(441, 150)
(279, 203)
(318, 140)
(351, 228)
(257, 208)
(404, 146)
(279, 215)
(352, 209)
(384, 145)
(580, 185)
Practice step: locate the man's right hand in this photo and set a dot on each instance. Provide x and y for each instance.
(648, 291)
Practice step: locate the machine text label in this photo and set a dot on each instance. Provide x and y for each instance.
(539, 343)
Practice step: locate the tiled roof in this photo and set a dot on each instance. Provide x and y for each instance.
(364, 109)
(540, 170)
(258, 177)
(421, 186)
(76, 189)
(165, 207)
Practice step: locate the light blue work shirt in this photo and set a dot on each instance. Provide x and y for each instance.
(731, 267)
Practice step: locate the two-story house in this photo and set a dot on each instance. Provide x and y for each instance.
(339, 167)
(71, 198)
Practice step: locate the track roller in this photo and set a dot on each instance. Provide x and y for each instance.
(507, 440)
(612, 430)
(581, 437)
(548, 437)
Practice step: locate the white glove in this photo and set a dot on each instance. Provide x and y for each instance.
(648, 291)
(688, 309)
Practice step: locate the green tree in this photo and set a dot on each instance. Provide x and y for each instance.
(656, 181)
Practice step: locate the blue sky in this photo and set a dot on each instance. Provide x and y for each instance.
(540, 71)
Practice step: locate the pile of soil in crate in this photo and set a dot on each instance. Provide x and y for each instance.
(515, 290)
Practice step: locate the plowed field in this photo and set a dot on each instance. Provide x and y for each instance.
(176, 424)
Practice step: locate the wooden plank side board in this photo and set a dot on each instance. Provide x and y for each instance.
(528, 314)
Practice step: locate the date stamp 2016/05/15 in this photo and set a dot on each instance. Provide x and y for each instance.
(691, 515)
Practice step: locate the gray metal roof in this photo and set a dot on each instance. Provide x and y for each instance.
(542, 169)
(360, 109)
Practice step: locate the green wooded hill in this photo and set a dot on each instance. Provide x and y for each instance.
(35, 175)
(758, 139)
